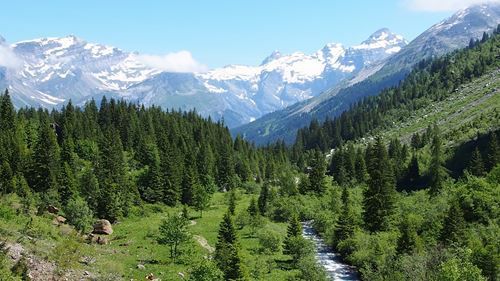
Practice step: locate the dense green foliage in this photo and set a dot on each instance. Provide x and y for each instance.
(417, 207)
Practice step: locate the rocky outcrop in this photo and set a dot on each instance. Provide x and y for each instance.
(103, 227)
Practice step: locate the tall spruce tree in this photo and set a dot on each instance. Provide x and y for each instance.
(263, 198)
(436, 169)
(226, 250)
(454, 224)
(493, 157)
(317, 176)
(379, 197)
(45, 167)
(346, 223)
(293, 230)
(476, 164)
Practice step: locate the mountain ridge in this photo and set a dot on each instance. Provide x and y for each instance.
(441, 38)
(56, 69)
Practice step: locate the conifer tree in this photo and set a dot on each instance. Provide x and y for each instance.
(263, 198)
(111, 175)
(317, 175)
(67, 184)
(232, 202)
(226, 250)
(437, 171)
(346, 224)
(6, 176)
(476, 165)
(379, 198)
(89, 187)
(493, 150)
(454, 224)
(413, 172)
(408, 240)
(225, 168)
(45, 167)
(253, 210)
(189, 181)
(360, 167)
(293, 230)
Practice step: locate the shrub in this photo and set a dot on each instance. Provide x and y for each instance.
(78, 214)
(270, 241)
(206, 271)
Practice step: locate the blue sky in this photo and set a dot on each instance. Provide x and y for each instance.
(221, 32)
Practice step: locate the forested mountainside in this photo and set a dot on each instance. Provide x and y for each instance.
(120, 153)
(404, 185)
(431, 81)
(446, 36)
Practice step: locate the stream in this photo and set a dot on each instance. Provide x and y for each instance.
(335, 268)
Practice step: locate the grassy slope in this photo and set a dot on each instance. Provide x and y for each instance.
(133, 242)
(473, 108)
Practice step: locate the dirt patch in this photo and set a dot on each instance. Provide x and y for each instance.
(204, 243)
(40, 269)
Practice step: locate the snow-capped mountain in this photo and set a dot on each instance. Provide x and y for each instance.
(448, 35)
(50, 71)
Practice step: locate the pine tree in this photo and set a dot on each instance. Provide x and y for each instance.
(437, 171)
(360, 167)
(317, 175)
(346, 224)
(225, 168)
(89, 187)
(6, 176)
(408, 240)
(493, 151)
(263, 198)
(152, 182)
(45, 167)
(379, 198)
(67, 184)
(226, 250)
(476, 165)
(189, 181)
(454, 224)
(253, 210)
(112, 179)
(232, 202)
(173, 166)
(293, 230)
(413, 172)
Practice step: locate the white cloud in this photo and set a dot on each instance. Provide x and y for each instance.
(181, 61)
(8, 58)
(443, 5)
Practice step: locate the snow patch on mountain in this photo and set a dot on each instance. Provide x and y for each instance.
(54, 70)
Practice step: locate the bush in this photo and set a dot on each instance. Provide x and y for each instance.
(78, 214)
(310, 270)
(206, 271)
(270, 241)
(299, 248)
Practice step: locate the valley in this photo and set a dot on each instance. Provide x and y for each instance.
(379, 161)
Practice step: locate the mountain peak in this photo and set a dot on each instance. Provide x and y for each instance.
(383, 34)
(273, 56)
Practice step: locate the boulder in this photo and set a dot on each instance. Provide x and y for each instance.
(141, 267)
(102, 240)
(59, 220)
(102, 227)
(52, 209)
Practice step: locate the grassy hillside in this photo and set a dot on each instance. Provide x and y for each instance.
(61, 252)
